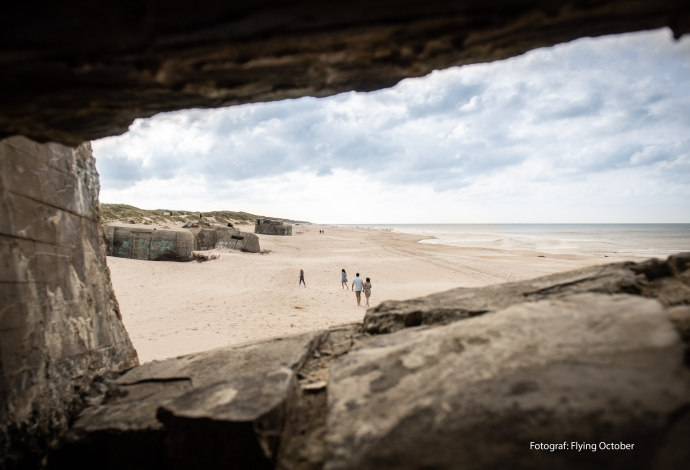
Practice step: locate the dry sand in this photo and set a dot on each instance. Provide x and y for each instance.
(170, 309)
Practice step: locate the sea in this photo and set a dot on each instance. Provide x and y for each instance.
(612, 240)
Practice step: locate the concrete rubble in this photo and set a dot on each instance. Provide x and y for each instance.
(598, 355)
(223, 408)
(664, 280)
(475, 393)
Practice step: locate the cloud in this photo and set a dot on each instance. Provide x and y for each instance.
(595, 115)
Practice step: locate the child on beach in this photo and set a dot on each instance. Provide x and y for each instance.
(301, 278)
(367, 290)
(343, 279)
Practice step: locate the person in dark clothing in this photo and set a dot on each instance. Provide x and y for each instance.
(301, 278)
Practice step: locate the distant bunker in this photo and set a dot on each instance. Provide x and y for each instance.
(272, 227)
(208, 238)
(138, 241)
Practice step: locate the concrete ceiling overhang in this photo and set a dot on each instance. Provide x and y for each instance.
(81, 70)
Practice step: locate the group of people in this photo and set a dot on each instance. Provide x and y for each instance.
(358, 285)
(322, 231)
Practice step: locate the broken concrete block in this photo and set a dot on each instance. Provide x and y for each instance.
(479, 393)
(272, 227)
(213, 237)
(668, 280)
(223, 408)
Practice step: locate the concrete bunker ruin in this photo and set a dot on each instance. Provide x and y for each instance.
(76, 71)
(272, 227)
(137, 241)
(212, 237)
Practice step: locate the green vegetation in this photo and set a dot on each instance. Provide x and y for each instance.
(127, 213)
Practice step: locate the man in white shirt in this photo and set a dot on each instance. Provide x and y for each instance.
(357, 287)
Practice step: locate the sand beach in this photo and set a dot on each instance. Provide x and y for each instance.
(171, 309)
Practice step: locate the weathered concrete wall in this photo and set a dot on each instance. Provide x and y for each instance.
(145, 243)
(60, 323)
(272, 227)
(212, 237)
(138, 241)
(236, 240)
(80, 70)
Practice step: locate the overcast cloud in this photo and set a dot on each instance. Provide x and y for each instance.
(597, 130)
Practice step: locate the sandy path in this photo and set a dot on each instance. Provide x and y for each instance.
(170, 309)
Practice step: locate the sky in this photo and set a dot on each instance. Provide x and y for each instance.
(592, 131)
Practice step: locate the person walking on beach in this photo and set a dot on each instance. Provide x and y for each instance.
(357, 287)
(301, 278)
(343, 280)
(367, 290)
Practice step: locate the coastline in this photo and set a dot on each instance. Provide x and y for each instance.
(171, 309)
(614, 241)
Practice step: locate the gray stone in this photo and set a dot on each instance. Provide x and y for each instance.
(223, 408)
(586, 367)
(74, 72)
(680, 315)
(272, 227)
(233, 239)
(667, 280)
(60, 324)
(204, 237)
(302, 444)
(214, 236)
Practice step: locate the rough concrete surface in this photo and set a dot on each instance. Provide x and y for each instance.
(652, 278)
(272, 227)
(212, 237)
(473, 394)
(302, 442)
(223, 408)
(237, 240)
(138, 241)
(60, 323)
(591, 356)
(76, 70)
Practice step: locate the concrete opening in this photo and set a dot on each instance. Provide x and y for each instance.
(73, 72)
